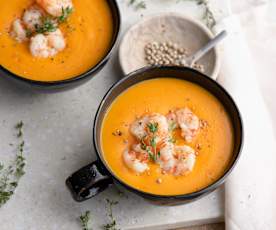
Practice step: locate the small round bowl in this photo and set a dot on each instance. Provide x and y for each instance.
(55, 86)
(97, 176)
(187, 32)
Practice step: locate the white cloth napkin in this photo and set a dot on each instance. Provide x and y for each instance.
(250, 191)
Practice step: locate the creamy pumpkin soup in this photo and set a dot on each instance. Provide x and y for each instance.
(51, 40)
(167, 136)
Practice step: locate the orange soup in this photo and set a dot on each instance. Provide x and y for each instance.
(213, 144)
(88, 34)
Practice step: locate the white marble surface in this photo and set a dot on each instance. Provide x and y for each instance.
(58, 134)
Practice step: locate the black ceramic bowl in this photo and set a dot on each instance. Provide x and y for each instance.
(97, 176)
(73, 82)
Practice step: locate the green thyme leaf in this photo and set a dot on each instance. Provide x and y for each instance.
(151, 154)
(47, 25)
(65, 14)
(153, 142)
(138, 4)
(112, 225)
(10, 175)
(153, 127)
(158, 154)
(143, 144)
(85, 218)
(19, 125)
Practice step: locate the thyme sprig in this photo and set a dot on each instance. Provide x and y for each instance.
(152, 148)
(85, 219)
(10, 175)
(112, 225)
(208, 16)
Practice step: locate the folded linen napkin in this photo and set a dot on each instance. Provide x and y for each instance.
(250, 191)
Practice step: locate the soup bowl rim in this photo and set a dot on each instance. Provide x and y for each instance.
(187, 196)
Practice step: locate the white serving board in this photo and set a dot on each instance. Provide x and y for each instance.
(58, 134)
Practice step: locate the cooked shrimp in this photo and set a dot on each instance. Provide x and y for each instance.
(137, 148)
(185, 160)
(48, 45)
(166, 159)
(32, 17)
(55, 7)
(158, 122)
(18, 31)
(138, 127)
(188, 122)
(150, 124)
(133, 161)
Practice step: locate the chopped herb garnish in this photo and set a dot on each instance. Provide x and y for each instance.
(112, 225)
(153, 142)
(84, 220)
(65, 14)
(143, 144)
(152, 156)
(153, 145)
(47, 25)
(153, 127)
(158, 154)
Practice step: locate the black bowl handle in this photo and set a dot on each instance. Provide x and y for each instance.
(88, 181)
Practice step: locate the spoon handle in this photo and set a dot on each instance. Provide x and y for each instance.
(205, 49)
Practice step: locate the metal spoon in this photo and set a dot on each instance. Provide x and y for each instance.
(189, 61)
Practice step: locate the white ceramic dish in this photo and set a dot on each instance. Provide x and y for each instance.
(187, 32)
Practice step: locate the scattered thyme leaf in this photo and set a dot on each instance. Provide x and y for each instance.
(19, 125)
(112, 225)
(138, 4)
(208, 16)
(85, 219)
(10, 175)
(141, 5)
